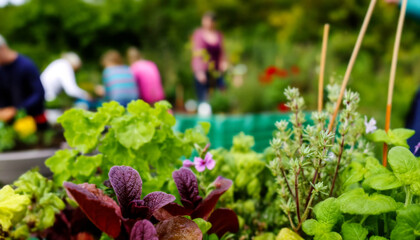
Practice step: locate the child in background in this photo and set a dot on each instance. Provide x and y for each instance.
(119, 82)
(147, 76)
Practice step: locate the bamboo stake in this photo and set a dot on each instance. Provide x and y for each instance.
(392, 76)
(352, 60)
(322, 67)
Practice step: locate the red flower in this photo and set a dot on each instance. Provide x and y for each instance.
(282, 107)
(271, 70)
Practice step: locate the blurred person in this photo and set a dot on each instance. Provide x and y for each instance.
(60, 75)
(208, 61)
(413, 117)
(20, 86)
(119, 82)
(147, 77)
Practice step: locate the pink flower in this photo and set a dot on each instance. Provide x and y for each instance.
(187, 163)
(416, 148)
(201, 164)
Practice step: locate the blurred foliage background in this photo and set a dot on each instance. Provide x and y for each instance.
(258, 33)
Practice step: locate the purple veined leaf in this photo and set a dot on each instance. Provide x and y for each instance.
(187, 185)
(156, 200)
(209, 203)
(98, 207)
(143, 230)
(178, 228)
(127, 185)
(171, 210)
(144, 209)
(223, 220)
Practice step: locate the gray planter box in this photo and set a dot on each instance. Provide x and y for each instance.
(13, 164)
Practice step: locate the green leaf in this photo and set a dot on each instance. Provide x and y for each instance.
(328, 211)
(87, 165)
(408, 224)
(111, 109)
(287, 234)
(379, 136)
(328, 236)
(404, 165)
(82, 129)
(358, 202)
(382, 181)
(132, 131)
(352, 174)
(399, 136)
(377, 238)
(61, 164)
(11, 206)
(265, 236)
(373, 167)
(202, 224)
(354, 231)
(314, 228)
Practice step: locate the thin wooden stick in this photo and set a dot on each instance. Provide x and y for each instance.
(392, 75)
(352, 60)
(322, 67)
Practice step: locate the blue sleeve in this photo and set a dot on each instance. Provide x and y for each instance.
(34, 103)
(413, 8)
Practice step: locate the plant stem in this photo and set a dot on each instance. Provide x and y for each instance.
(306, 213)
(297, 193)
(284, 176)
(287, 182)
(352, 60)
(291, 222)
(314, 179)
(364, 219)
(408, 196)
(338, 164)
(392, 74)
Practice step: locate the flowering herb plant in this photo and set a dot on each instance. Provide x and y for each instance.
(308, 160)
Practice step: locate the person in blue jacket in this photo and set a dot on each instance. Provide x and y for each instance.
(413, 117)
(20, 86)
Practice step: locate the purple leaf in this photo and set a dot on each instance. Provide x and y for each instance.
(187, 185)
(223, 220)
(171, 210)
(207, 205)
(178, 228)
(143, 230)
(156, 200)
(99, 208)
(127, 186)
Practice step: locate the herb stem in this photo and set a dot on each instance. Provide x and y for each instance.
(338, 164)
(297, 194)
(408, 196)
(287, 182)
(291, 221)
(306, 213)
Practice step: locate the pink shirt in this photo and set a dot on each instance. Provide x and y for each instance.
(215, 52)
(148, 80)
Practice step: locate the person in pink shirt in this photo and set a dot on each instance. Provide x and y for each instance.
(147, 76)
(208, 61)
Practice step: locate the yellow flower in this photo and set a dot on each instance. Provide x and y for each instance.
(25, 126)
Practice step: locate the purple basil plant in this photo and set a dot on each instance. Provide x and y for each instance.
(128, 218)
(222, 219)
(133, 217)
